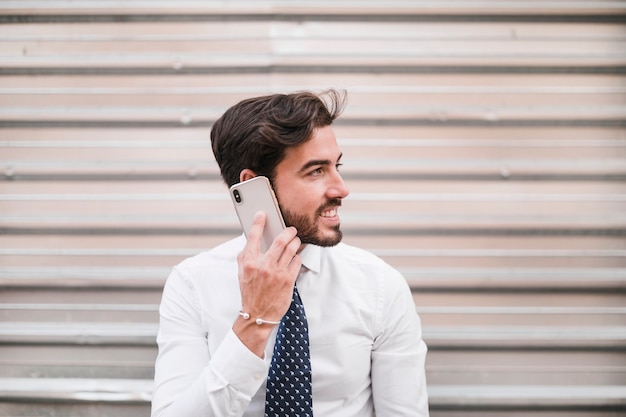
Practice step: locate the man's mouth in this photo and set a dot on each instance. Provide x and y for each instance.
(329, 213)
(329, 210)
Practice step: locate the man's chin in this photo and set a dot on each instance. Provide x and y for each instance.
(313, 232)
(329, 239)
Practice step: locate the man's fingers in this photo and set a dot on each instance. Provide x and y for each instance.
(282, 242)
(290, 253)
(256, 231)
(295, 265)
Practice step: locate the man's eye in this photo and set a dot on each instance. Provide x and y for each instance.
(316, 172)
(338, 167)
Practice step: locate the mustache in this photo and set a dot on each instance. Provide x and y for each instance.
(334, 202)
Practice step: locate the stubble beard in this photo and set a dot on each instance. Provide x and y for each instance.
(308, 229)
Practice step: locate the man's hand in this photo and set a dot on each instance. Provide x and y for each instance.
(266, 281)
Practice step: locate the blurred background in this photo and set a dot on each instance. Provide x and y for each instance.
(484, 145)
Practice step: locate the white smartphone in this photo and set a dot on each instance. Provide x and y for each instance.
(255, 195)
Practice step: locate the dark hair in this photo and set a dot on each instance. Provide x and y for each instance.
(256, 132)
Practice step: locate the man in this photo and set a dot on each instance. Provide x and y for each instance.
(366, 351)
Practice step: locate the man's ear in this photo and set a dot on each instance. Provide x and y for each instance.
(246, 174)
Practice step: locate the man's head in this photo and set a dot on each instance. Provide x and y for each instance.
(255, 133)
(288, 139)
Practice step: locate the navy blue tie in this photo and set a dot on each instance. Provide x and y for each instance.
(289, 380)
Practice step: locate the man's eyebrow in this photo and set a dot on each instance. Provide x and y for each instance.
(318, 162)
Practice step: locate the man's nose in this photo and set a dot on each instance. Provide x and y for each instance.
(338, 188)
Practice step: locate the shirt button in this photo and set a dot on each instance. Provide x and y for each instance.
(257, 377)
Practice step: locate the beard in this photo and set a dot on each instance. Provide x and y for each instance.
(308, 228)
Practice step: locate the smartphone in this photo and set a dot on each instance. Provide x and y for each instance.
(255, 195)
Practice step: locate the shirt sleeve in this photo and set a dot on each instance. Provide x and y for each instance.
(189, 381)
(399, 355)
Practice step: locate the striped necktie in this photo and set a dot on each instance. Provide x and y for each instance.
(288, 390)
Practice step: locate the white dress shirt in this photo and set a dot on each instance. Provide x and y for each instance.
(367, 352)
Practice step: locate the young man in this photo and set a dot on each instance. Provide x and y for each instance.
(366, 351)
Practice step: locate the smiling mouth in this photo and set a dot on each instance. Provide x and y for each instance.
(329, 213)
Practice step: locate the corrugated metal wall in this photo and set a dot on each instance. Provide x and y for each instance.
(485, 149)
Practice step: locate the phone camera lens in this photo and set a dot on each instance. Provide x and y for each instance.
(237, 196)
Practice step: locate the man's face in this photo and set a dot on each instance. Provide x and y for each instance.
(309, 188)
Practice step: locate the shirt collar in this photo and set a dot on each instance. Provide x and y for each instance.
(311, 257)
